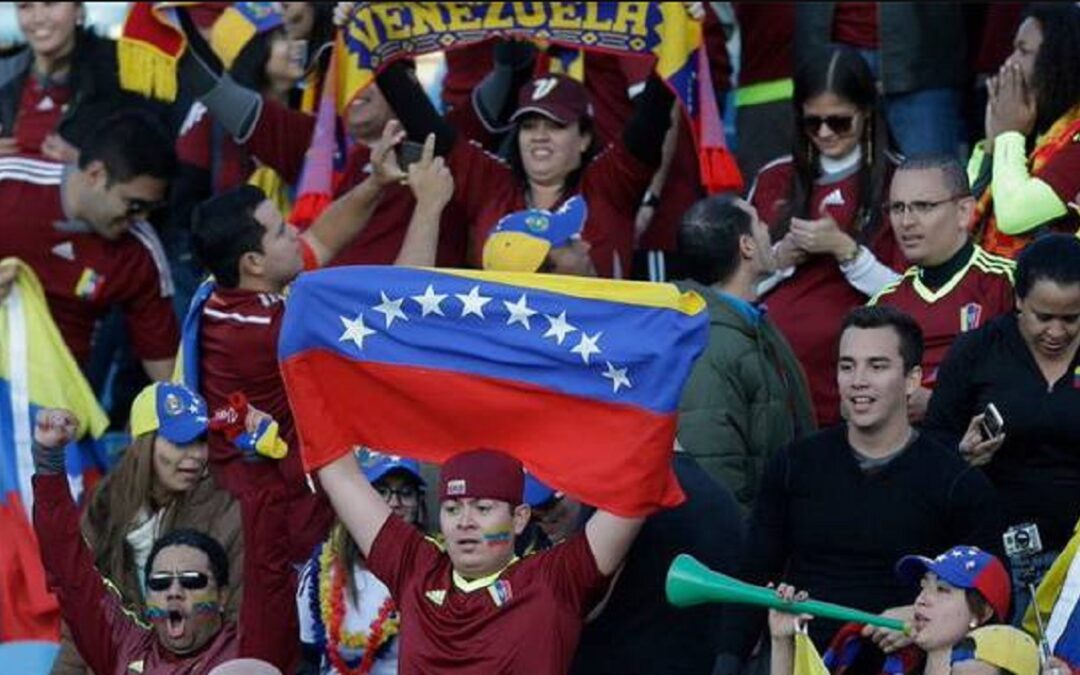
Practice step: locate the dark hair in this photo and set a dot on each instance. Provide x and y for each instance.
(249, 67)
(223, 228)
(980, 607)
(884, 316)
(130, 144)
(952, 174)
(841, 71)
(1057, 87)
(219, 562)
(513, 154)
(1052, 257)
(709, 238)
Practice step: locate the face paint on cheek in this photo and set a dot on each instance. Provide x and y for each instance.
(204, 607)
(497, 538)
(156, 613)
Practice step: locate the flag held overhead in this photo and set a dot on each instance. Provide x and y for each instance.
(578, 378)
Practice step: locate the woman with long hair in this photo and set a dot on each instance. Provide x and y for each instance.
(161, 484)
(959, 591)
(1027, 170)
(822, 207)
(348, 621)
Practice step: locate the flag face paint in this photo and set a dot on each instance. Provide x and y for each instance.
(498, 538)
(578, 378)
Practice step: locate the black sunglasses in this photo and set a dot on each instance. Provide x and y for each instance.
(189, 581)
(840, 124)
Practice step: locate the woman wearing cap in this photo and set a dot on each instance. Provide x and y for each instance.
(348, 621)
(960, 590)
(159, 485)
(822, 206)
(553, 155)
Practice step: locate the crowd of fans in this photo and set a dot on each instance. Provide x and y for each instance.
(885, 415)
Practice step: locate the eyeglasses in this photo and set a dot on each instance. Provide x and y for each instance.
(405, 493)
(916, 208)
(189, 581)
(135, 207)
(840, 124)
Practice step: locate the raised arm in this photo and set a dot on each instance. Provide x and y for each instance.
(432, 186)
(356, 503)
(411, 105)
(610, 537)
(98, 622)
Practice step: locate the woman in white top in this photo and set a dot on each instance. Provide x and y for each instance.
(348, 621)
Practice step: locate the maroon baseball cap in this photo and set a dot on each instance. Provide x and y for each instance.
(556, 96)
(482, 474)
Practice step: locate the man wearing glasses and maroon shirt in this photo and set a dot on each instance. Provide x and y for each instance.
(82, 229)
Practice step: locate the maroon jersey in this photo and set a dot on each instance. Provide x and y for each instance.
(768, 31)
(809, 307)
(612, 185)
(238, 336)
(280, 139)
(981, 290)
(84, 274)
(40, 108)
(526, 619)
(856, 24)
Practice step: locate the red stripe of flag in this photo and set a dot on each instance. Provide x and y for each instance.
(433, 414)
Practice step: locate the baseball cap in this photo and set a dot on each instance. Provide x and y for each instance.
(174, 411)
(376, 465)
(482, 474)
(1005, 647)
(521, 240)
(536, 492)
(558, 97)
(964, 567)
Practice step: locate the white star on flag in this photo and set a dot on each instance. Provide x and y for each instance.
(472, 302)
(587, 346)
(355, 330)
(519, 312)
(430, 302)
(559, 327)
(391, 309)
(618, 377)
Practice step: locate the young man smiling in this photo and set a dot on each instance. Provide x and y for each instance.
(472, 606)
(837, 509)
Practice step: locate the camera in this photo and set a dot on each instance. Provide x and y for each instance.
(1022, 541)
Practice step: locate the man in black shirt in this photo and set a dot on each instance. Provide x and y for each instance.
(839, 508)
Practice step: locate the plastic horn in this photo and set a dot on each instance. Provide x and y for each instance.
(691, 583)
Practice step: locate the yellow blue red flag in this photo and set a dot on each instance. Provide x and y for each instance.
(578, 378)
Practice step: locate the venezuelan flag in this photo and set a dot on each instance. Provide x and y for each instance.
(578, 378)
(36, 370)
(1058, 601)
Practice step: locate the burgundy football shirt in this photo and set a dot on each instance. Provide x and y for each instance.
(528, 620)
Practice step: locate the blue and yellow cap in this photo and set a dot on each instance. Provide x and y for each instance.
(521, 240)
(172, 410)
(376, 465)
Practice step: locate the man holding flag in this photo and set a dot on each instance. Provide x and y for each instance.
(577, 379)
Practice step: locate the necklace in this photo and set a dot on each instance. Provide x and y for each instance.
(331, 616)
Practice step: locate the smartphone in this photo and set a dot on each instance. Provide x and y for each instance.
(992, 422)
(408, 152)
